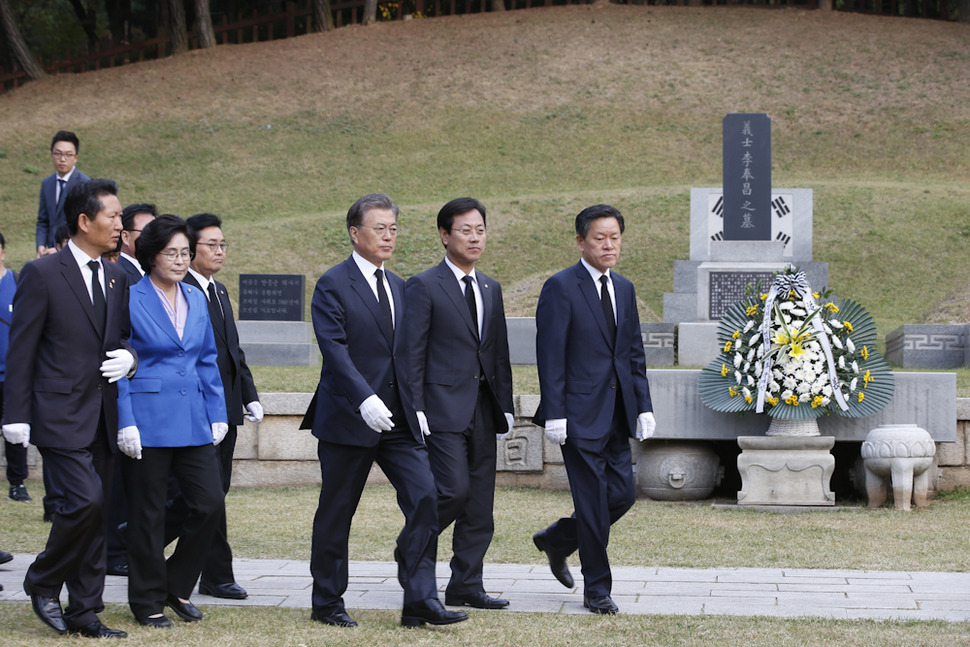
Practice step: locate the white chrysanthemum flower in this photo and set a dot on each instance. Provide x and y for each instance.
(750, 355)
(805, 397)
(777, 374)
(761, 352)
(737, 360)
(827, 391)
(750, 380)
(826, 401)
(774, 387)
(799, 312)
(754, 340)
(758, 369)
(787, 393)
(836, 342)
(855, 366)
(790, 382)
(849, 346)
(737, 377)
(827, 329)
(747, 368)
(787, 319)
(785, 305)
(835, 323)
(853, 384)
(748, 326)
(842, 362)
(746, 391)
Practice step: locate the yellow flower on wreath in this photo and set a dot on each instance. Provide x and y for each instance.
(737, 333)
(861, 396)
(732, 391)
(772, 400)
(728, 346)
(724, 370)
(864, 352)
(751, 310)
(848, 325)
(817, 401)
(792, 400)
(831, 307)
(867, 378)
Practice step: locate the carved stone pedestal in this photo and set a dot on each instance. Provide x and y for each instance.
(786, 470)
(902, 454)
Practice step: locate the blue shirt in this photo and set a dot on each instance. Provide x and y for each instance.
(7, 288)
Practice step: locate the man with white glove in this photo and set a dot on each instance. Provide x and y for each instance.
(211, 248)
(129, 442)
(594, 398)
(461, 384)
(70, 312)
(358, 312)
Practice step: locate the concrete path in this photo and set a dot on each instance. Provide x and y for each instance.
(774, 592)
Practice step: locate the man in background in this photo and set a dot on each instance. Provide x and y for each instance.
(218, 579)
(54, 188)
(133, 220)
(16, 454)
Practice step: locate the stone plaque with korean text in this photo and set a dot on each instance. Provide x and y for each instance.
(271, 297)
(747, 176)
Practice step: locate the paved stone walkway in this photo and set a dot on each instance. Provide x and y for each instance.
(774, 592)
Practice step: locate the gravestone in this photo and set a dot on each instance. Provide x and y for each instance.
(271, 297)
(272, 331)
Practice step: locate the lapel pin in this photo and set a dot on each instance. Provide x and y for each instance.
(111, 284)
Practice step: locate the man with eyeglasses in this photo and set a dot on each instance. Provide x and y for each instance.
(54, 188)
(461, 385)
(362, 413)
(218, 579)
(133, 220)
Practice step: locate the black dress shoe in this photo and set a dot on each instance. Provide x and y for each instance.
(229, 591)
(603, 605)
(557, 561)
(5, 557)
(160, 622)
(478, 600)
(121, 569)
(98, 630)
(184, 610)
(334, 619)
(431, 612)
(48, 610)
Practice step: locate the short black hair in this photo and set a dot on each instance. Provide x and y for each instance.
(62, 234)
(457, 207)
(66, 136)
(585, 218)
(355, 215)
(157, 235)
(3, 242)
(200, 221)
(85, 197)
(128, 214)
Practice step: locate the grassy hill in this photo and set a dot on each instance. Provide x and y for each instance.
(538, 113)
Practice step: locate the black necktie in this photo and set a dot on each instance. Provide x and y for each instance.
(608, 307)
(383, 301)
(215, 306)
(61, 184)
(470, 300)
(97, 297)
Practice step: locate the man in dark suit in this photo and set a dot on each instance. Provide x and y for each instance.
(54, 188)
(210, 253)
(461, 385)
(68, 347)
(362, 412)
(133, 220)
(594, 397)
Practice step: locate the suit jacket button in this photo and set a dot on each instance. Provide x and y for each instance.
(391, 384)
(182, 391)
(613, 386)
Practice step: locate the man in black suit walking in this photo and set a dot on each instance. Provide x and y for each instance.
(461, 385)
(68, 347)
(361, 413)
(218, 578)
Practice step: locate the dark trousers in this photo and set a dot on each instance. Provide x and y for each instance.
(218, 562)
(463, 464)
(601, 480)
(152, 578)
(344, 470)
(16, 455)
(75, 551)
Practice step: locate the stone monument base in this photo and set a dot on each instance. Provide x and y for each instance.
(786, 471)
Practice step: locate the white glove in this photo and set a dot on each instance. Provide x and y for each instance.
(376, 414)
(17, 433)
(118, 366)
(423, 423)
(129, 442)
(556, 431)
(510, 423)
(646, 425)
(219, 431)
(255, 410)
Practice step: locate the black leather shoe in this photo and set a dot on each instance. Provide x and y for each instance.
(229, 591)
(184, 610)
(335, 619)
(431, 612)
(48, 610)
(159, 622)
(477, 600)
(603, 605)
(557, 561)
(120, 569)
(5, 557)
(98, 630)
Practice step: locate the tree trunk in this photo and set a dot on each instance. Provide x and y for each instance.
(119, 19)
(498, 5)
(322, 15)
(89, 22)
(963, 10)
(16, 43)
(370, 12)
(177, 32)
(203, 24)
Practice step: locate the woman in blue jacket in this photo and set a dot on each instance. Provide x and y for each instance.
(172, 413)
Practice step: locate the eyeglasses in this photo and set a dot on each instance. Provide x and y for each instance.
(172, 254)
(214, 246)
(62, 155)
(467, 231)
(380, 230)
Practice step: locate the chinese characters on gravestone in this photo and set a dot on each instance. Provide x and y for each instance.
(271, 297)
(747, 176)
